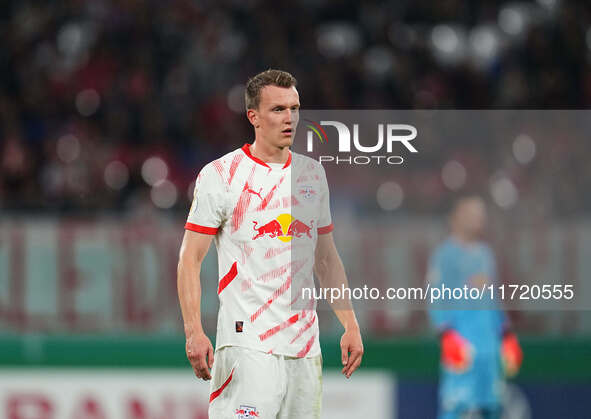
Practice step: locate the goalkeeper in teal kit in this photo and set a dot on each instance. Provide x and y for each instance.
(477, 347)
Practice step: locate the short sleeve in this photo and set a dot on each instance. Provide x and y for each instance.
(325, 220)
(208, 208)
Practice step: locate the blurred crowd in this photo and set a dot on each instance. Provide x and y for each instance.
(115, 105)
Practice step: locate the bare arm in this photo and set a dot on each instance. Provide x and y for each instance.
(198, 346)
(330, 272)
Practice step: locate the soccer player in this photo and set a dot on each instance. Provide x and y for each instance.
(267, 358)
(477, 346)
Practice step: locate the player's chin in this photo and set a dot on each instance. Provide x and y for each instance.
(285, 140)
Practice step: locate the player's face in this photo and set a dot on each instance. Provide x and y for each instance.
(469, 218)
(278, 115)
(473, 217)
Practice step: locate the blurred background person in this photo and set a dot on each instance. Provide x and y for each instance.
(475, 343)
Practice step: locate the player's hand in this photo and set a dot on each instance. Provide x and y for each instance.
(351, 351)
(200, 354)
(456, 352)
(511, 354)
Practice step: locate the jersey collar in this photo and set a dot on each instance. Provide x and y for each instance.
(246, 149)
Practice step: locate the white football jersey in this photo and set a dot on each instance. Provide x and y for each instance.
(266, 225)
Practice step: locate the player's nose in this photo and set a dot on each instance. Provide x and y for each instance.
(288, 116)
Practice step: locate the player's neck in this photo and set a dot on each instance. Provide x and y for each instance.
(464, 239)
(269, 154)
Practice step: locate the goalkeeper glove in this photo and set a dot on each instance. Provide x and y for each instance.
(511, 354)
(456, 351)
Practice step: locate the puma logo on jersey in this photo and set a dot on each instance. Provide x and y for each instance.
(255, 192)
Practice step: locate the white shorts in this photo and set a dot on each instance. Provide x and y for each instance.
(246, 383)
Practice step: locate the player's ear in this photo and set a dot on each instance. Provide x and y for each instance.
(253, 117)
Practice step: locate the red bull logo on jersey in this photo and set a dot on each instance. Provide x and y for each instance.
(247, 412)
(283, 228)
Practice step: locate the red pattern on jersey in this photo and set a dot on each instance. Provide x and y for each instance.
(246, 284)
(217, 164)
(242, 204)
(278, 292)
(269, 196)
(305, 327)
(235, 163)
(274, 251)
(308, 283)
(304, 351)
(274, 205)
(229, 277)
(245, 251)
(295, 267)
(292, 320)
